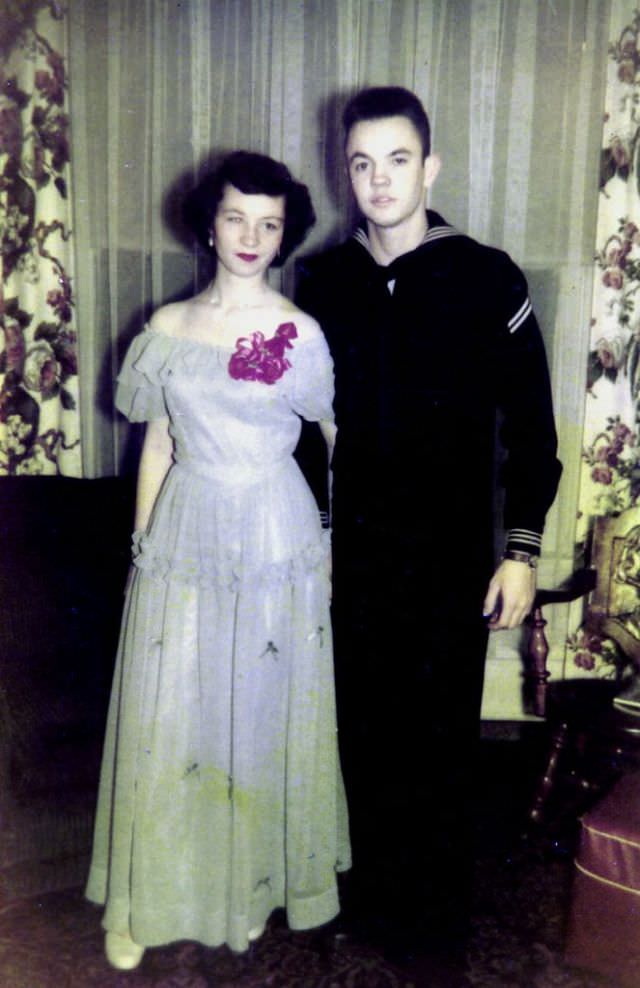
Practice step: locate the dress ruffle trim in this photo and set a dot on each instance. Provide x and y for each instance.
(159, 355)
(153, 357)
(198, 571)
(149, 363)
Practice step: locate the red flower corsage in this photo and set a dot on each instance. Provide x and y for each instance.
(257, 359)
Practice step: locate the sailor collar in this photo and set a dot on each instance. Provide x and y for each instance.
(438, 229)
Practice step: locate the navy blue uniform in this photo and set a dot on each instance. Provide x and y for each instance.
(436, 357)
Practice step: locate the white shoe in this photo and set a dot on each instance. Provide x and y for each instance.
(122, 953)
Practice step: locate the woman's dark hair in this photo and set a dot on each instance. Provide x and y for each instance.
(253, 174)
(378, 102)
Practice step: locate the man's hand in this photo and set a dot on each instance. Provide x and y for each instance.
(510, 595)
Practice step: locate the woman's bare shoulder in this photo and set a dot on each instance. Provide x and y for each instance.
(171, 319)
(308, 328)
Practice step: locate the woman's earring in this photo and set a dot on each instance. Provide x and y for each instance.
(210, 240)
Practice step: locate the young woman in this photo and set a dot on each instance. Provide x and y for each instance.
(221, 797)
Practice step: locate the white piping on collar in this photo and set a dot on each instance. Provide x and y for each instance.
(433, 233)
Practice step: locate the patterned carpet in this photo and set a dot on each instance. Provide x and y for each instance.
(54, 940)
(522, 902)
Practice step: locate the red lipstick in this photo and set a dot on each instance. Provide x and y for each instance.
(247, 257)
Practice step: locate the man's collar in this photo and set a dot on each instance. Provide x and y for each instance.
(437, 229)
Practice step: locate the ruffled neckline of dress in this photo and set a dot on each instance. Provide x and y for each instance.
(191, 352)
(184, 342)
(155, 354)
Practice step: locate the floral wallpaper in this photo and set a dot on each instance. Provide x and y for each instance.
(611, 465)
(39, 426)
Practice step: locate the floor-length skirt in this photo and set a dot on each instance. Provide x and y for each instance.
(221, 795)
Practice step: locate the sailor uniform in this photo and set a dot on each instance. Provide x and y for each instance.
(436, 356)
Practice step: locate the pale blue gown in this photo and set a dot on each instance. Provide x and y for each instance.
(221, 795)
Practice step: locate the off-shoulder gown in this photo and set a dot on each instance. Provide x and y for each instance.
(221, 795)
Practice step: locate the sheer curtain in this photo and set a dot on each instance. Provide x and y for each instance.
(515, 91)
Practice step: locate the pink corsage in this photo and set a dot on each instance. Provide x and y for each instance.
(257, 359)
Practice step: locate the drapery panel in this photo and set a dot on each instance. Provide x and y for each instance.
(610, 464)
(514, 89)
(39, 422)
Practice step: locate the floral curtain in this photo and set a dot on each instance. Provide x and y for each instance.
(611, 466)
(39, 425)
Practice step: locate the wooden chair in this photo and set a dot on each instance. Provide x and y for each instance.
(536, 673)
(591, 740)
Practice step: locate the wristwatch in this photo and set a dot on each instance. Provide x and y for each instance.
(521, 557)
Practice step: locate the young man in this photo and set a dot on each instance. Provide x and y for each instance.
(432, 336)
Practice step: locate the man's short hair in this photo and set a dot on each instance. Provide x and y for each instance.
(378, 102)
